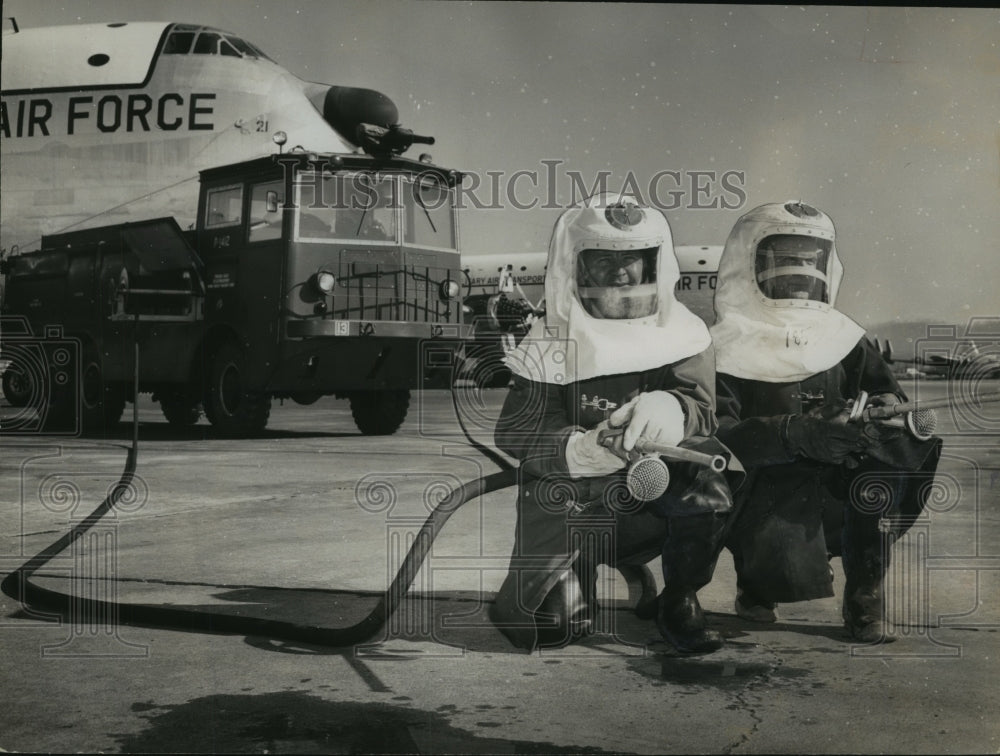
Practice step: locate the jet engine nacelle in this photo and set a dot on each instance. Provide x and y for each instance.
(346, 108)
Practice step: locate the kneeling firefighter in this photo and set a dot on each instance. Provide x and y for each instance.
(820, 483)
(617, 361)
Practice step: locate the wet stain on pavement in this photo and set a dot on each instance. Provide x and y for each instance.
(297, 722)
(813, 650)
(693, 672)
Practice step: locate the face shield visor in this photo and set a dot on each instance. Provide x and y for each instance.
(618, 284)
(790, 266)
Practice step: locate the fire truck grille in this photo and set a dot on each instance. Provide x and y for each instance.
(381, 292)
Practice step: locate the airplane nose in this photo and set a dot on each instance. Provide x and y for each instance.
(344, 108)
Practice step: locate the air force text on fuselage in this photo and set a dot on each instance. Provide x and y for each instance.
(29, 117)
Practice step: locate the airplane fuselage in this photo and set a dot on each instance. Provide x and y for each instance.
(104, 123)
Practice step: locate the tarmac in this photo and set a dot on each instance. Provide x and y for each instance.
(306, 524)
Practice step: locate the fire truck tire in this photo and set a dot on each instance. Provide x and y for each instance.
(16, 385)
(232, 410)
(179, 409)
(101, 403)
(379, 413)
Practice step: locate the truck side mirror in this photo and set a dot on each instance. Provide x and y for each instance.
(271, 201)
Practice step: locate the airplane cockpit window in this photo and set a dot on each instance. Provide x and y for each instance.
(225, 48)
(207, 44)
(178, 43)
(181, 41)
(246, 48)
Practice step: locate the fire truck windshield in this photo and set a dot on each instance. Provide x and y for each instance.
(346, 207)
(429, 217)
(349, 207)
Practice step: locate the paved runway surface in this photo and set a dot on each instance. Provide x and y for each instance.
(306, 523)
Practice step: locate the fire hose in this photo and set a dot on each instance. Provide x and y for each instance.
(19, 586)
(647, 477)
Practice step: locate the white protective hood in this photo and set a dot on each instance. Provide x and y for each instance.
(777, 340)
(569, 345)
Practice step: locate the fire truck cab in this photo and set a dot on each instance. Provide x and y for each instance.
(306, 275)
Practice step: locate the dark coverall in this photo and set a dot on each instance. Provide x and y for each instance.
(566, 527)
(793, 513)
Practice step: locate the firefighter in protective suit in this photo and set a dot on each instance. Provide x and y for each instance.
(817, 486)
(615, 350)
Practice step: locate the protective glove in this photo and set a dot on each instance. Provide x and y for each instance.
(709, 492)
(823, 437)
(586, 456)
(881, 400)
(881, 437)
(654, 416)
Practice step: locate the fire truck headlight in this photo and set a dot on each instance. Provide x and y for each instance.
(325, 281)
(449, 289)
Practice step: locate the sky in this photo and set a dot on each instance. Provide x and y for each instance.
(887, 119)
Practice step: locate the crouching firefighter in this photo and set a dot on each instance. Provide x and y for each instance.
(820, 482)
(617, 362)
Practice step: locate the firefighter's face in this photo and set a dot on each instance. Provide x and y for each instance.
(607, 281)
(600, 267)
(793, 267)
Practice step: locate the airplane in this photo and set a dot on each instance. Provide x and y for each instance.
(107, 123)
(964, 362)
(110, 123)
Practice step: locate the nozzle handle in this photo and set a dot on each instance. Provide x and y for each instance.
(674, 453)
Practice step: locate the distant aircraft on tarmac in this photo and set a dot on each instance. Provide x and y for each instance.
(965, 362)
(108, 123)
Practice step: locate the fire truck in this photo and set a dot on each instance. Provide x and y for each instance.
(305, 275)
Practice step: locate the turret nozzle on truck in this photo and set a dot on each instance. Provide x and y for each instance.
(306, 275)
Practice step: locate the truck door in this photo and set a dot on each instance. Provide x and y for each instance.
(242, 242)
(261, 271)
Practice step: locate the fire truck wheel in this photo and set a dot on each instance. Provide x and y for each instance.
(179, 409)
(379, 413)
(101, 403)
(16, 385)
(231, 409)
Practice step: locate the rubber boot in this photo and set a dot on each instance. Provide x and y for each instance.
(864, 613)
(866, 553)
(681, 622)
(751, 608)
(689, 554)
(565, 615)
